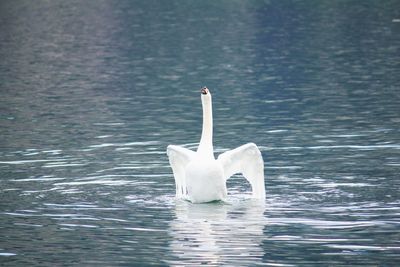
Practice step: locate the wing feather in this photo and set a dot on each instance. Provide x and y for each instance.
(179, 157)
(247, 160)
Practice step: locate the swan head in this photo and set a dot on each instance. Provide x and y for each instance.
(205, 94)
(204, 91)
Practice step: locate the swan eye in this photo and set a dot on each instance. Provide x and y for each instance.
(204, 90)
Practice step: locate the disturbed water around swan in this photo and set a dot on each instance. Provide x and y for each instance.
(93, 92)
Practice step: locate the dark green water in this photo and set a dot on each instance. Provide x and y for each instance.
(92, 92)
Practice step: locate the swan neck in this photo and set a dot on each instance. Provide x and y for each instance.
(206, 144)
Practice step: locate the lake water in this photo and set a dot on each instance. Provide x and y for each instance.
(92, 92)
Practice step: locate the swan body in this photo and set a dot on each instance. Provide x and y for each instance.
(199, 177)
(205, 184)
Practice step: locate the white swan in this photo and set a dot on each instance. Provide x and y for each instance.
(199, 177)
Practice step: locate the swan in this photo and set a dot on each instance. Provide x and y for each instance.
(200, 178)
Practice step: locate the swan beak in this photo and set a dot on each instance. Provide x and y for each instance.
(204, 90)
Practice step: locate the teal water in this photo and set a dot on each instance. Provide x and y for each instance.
(92, 92)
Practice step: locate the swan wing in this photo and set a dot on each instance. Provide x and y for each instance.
(247, 160)
(179, 157)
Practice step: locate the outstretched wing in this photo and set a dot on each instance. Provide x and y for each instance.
(246, 159)
(179, 157)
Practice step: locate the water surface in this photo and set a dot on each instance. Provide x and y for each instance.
(93, 92)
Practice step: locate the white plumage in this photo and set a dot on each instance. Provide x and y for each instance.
(199, 177)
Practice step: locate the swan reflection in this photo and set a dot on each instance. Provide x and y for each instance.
(218, 233)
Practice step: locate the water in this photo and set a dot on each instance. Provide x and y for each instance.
(92, 93)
